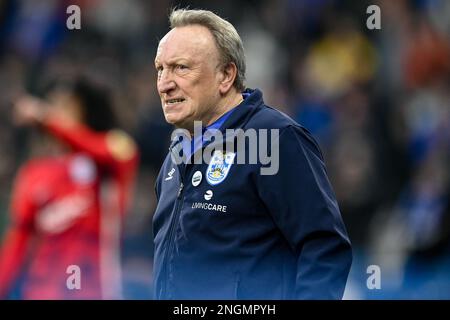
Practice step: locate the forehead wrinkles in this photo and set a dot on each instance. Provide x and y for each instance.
(194, 42)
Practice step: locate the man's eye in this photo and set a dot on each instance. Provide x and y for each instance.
(181, 67)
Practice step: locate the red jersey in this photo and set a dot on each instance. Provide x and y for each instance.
(67, 211)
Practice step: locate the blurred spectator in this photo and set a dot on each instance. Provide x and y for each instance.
(428, 56)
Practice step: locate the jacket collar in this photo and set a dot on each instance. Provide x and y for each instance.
(244, 111)
(237, 119)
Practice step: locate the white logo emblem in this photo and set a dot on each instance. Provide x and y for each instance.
(208, 195)
(197, 178)
(219, 167)
(170, 174)
(82, 170)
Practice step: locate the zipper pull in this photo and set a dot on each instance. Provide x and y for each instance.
(180, 190)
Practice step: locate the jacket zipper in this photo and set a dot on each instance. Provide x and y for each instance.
(171, 240)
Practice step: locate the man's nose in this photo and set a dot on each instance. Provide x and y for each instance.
(166, 82)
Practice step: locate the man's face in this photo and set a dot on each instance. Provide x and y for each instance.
(188, 75)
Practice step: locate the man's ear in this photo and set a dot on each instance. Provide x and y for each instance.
(229, 74)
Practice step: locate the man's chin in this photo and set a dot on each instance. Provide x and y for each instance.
(178, 123)
(171, 119)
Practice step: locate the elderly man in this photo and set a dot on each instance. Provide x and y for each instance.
(226, 229)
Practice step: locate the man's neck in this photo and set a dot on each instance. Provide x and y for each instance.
(227, 104)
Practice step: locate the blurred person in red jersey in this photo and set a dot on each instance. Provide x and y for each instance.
(68, 206)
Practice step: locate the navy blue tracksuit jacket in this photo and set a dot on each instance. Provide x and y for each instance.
(237, 234)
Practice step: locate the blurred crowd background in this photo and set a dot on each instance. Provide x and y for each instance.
(378, 102)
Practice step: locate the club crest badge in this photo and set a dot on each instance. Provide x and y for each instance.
(219, 166)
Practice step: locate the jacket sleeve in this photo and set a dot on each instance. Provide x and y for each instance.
(303, 205)
(110, 149)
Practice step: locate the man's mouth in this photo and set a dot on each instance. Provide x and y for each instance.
(174, 101)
